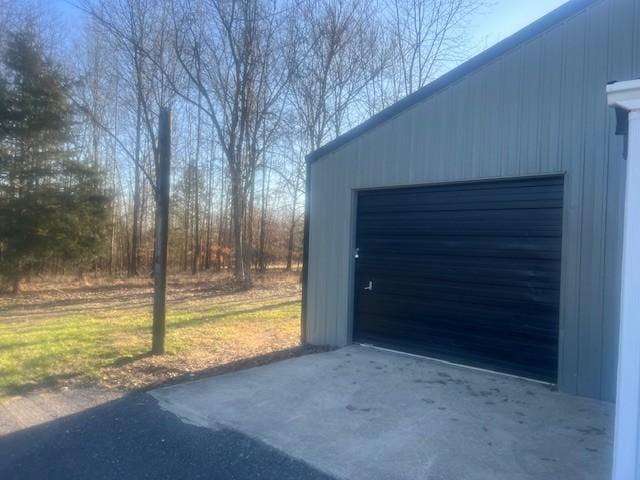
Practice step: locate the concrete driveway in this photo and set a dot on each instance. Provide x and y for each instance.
(362, 413)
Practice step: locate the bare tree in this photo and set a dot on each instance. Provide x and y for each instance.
(292, 171)
(337, 58)
(138, 30)
(254, 85)
(196, 199)
(209, 206)
(333, 64)
(229, 54)
(425, 37)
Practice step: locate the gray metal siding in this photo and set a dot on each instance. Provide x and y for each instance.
(538, 109)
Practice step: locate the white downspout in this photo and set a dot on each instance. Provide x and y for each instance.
(626, 459)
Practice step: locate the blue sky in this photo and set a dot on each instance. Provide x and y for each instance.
(500, 19)
(505, 17)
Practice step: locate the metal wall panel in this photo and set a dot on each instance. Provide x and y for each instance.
(538, 109)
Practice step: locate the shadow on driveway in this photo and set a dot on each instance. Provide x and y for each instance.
(132, 438)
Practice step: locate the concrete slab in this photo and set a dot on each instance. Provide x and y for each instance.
(363, 413)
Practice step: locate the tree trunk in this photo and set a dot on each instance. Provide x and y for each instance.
(290, 244)
(144, 203)
(248, 249)
(112, 236)
(16, 288)
(196, 206)
(222, 212)
(187, 213)
(162, 232)
(132, 270)
(292, 228)
(237, 226)
(114, 202)
(207, 252)
(262, 263)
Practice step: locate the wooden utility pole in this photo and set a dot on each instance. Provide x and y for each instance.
(162, 231)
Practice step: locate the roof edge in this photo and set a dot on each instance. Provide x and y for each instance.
(529, 32)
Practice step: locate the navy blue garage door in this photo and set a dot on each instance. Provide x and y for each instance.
(466, 272)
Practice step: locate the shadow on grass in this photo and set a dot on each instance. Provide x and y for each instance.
(109, 358)
(49, 382)
(52, 382)
(134, 292)
(24, 314)
(13, 345)
(138, 304)
(237, 365)
(74, 301)
(127, 359)
(190, 322)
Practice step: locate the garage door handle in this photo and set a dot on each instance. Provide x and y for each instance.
(370, 286)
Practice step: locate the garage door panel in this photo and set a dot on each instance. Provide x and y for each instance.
(508, 217)
(455, 270)
(492, 224)
(467, 345)
(464, 246)
(453, 203)
(467, 204)
(441, 333)
(450, 228)
(461, 195)
(536, 363)
(432, 260)
(478, 294)
(474, 316)
(466, 271)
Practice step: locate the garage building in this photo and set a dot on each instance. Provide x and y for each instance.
(479, 220)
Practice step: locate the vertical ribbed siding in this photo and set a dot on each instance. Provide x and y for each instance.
(539, 109)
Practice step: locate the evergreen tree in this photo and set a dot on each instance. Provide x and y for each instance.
(51, 205)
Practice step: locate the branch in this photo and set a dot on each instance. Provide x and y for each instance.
(96, 121)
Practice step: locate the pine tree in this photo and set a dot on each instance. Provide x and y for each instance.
(51, 205)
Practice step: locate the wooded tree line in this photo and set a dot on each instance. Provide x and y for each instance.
(253, 86)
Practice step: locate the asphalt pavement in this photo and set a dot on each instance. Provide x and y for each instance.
(132, 438)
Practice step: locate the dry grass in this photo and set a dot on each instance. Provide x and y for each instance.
(60, 332)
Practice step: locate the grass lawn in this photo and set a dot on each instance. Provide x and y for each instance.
(67, 334)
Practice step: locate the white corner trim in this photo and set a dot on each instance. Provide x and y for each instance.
(624, 94)
(626, 463)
